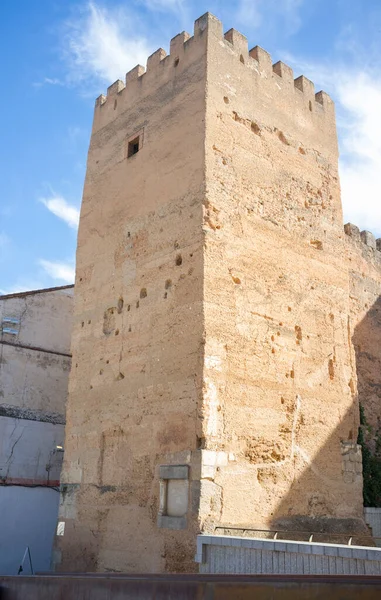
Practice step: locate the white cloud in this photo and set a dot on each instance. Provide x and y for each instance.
(357, 95)
(260, 13)
(48, 81)
(102, 44)
(163, 5)
(52, 81)
(62, 209)
(22, 285)
(64, 271)
(359, 119)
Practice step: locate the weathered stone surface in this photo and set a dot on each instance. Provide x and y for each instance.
(212, 306)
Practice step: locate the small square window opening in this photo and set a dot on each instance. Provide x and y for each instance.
(133, 147)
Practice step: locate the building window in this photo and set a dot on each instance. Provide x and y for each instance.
(133, 147)
(134, 143)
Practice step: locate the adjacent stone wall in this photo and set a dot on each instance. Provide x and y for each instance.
(373, 519)
(364, 260)
(279, 376)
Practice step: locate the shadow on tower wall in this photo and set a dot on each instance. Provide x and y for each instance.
(337, 514)
(367, 344)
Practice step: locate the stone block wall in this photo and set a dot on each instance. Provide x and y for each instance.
(218, 554)
(213, 313)
(279, 369)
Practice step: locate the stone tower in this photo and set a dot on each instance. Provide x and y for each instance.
(213, 379)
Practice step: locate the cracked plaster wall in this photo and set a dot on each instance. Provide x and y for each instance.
(35, 363)
(34, 369)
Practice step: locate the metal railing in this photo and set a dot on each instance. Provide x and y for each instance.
(311, 536)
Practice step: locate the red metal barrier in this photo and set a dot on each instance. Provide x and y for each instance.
(189, 587)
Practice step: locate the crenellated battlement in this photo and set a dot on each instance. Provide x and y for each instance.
(162, 68)
(364, 239)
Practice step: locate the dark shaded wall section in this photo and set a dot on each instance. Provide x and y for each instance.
(365, 306)
(360, 450)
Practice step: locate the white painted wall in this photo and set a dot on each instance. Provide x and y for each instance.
(45, 318)
(28, 517)
(28, 450)
(34, 370)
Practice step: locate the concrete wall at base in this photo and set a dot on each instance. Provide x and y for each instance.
(373, 519)
(237, 555)
(28, 518)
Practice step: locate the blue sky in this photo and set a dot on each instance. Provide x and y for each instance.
(58, 55)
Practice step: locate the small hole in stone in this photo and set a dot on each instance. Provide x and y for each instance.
(255, 128)
(165, 295)
(282, 400)
(282, 138)
(317, 244)
(83, 324)
(137, 304)
(168, 284)
(120, 304)
(226, 100)
(120, 376)
(116, 331)
(176, 62)
(80, 279)
(200, 442)
(115, 104)
(101, 372)
(310, 105)
(89, 322)
(129, 307)
(128, 234)
(242, 59)
(129, 329)
(143, 293)
(107, 362)
(179, 260)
